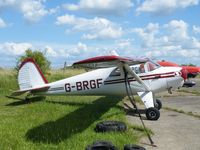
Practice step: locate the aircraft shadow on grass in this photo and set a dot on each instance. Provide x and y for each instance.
(133, 112)
(23, 102)
(73, 123)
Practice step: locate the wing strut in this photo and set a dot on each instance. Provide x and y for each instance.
(137, 78)
(132, 100)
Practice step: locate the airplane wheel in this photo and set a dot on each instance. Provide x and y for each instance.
(158, 104)
(152, 113)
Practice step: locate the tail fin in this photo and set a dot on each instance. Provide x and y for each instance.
(30, 75)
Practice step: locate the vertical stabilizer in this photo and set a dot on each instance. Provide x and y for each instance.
(30, 75)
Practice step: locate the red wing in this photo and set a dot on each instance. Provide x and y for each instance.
(107, 61)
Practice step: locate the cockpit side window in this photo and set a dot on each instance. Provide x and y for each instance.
(151, 66)
(116, 72)
(138, 68)
(145, 67)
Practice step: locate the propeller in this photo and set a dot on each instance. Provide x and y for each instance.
(184, 74)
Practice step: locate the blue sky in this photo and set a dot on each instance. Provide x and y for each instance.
(74, 30)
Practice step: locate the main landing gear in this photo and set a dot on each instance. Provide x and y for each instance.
(153, 113)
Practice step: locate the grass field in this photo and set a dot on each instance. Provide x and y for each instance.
(63, 122)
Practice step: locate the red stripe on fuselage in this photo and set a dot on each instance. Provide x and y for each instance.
(147, 77)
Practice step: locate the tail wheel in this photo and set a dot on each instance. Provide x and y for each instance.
(158, 104)
(152, 113)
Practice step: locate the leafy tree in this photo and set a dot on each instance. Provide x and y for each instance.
(39, 57)
(190, 64)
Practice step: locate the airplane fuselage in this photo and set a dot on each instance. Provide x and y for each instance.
(107, 81)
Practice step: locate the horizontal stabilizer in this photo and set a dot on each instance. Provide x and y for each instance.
(32, 90)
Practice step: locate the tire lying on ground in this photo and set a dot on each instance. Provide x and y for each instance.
(107, 126)
(101, 145)
(133, 147)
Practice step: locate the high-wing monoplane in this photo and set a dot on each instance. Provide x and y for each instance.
(111, 75)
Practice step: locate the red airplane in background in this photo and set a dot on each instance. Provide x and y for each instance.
(191, 71)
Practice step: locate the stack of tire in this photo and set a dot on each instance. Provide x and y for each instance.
(107, 126)
(106, 145)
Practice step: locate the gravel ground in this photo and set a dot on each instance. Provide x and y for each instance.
(175, 130)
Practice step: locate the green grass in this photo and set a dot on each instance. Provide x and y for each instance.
(182, 112)
(60, 122)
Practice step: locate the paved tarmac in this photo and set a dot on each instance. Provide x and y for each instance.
(175, 130)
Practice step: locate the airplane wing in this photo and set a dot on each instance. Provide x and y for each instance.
(108, 61)
(31, 90)
(111, 61)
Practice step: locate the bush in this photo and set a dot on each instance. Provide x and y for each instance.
(38, 56)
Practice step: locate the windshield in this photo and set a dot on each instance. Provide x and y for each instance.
(150, 66)
(145, 67)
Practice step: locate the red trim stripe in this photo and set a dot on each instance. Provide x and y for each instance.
(147, 77)
(31, 60)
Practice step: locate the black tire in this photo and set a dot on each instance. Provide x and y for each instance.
(152, 113)
(133, 147)
(107, 126)
(101, 145)
(158, 104)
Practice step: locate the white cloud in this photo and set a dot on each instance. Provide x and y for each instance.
(50, 51)
(196, 29)
(2, 23)
(11, 48)
(100, 7)
(124, 43)
(162, 7)
(189, 53)
(147, 33)
(168, 40)
(105, 33)
(179, 29)
(32, 10)
(68, 19)
(79, 49)
(97, 28)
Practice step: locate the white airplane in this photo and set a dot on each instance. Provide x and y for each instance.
(114, 75)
